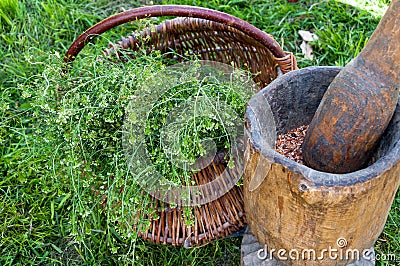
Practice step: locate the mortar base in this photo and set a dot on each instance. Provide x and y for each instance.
(250, 254)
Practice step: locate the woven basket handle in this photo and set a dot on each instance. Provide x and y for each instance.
(286, 61)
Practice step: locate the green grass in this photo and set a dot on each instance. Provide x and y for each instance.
(48, 219)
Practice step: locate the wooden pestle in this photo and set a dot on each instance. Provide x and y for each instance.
(359, 103)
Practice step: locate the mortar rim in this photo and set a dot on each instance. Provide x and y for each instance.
(319, 178)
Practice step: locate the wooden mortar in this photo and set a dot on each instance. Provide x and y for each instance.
(291, 206)
(358, 104)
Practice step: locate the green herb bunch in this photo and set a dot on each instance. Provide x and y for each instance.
(72, 123)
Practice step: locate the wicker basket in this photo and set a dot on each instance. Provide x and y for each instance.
(215, 36)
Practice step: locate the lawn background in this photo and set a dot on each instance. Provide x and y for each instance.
(32, 209)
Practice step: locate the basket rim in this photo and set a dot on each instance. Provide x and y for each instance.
(184, 24)
(178, 11)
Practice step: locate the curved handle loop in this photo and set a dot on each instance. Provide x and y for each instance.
(182, 11)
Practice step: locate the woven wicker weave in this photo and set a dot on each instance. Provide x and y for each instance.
(214, 36)
(213, 41)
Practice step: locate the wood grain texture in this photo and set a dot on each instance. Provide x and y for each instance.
(296, 207)
(358, 104)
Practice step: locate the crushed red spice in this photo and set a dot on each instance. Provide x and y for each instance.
(290, 144)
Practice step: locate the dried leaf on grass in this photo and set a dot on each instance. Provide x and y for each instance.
(306, 48)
